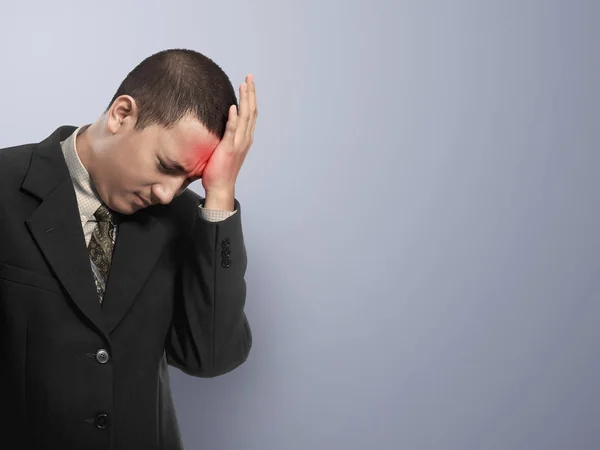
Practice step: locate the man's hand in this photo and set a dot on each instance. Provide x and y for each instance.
(221, 171)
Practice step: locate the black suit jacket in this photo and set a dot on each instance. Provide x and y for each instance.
(78, 375)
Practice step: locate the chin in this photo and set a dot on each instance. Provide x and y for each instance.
(126, 208)
(130, 210)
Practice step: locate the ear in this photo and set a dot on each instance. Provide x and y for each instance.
(122, 114)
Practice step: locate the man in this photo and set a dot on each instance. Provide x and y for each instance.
(110, 268)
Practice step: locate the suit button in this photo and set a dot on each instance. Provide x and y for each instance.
(226, 262)
(101, 421)
(102, 356)
(225, 243)
(226, 252)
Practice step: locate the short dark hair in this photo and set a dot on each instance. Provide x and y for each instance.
(172, 83)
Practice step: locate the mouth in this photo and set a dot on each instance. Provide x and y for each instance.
(143, 202)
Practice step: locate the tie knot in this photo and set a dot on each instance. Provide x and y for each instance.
(103, 214)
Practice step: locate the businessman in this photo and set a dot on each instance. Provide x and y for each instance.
(111, 268)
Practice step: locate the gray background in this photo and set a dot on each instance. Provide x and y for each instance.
(420, 209)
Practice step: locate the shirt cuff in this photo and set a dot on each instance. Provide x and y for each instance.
(215, 215)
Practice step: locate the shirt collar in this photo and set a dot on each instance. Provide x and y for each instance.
(88, 199)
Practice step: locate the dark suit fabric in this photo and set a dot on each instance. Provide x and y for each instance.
(175, 295)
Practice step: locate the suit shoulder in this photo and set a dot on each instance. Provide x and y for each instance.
(14, 162)
(16, 153)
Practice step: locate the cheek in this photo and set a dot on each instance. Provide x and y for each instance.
(121, 169)
(126, 171)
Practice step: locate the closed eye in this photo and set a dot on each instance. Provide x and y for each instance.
(162, 166)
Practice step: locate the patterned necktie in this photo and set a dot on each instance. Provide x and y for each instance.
(101, 248)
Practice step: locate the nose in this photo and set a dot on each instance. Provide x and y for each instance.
(165, 192)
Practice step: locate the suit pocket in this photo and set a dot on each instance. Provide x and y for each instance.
(29, 278)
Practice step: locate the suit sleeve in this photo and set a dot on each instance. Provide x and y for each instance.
(210, 334)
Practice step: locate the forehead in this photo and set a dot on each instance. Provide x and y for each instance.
(188, 142)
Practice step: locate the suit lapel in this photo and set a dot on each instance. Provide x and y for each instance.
(140, 241)
(55, 225)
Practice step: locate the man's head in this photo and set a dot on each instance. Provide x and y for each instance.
(170, 111)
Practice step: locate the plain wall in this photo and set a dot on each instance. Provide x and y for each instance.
(420, 209)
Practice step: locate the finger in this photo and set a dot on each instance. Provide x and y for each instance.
(243, 114)
(252, 106)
